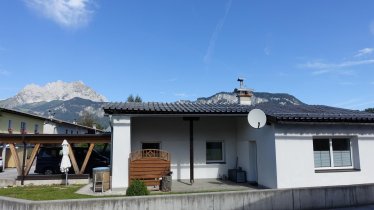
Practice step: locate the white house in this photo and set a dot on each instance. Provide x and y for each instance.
(300, 145)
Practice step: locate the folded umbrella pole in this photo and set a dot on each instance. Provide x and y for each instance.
(65, 161)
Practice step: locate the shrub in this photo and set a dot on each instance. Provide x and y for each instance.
(137, 188)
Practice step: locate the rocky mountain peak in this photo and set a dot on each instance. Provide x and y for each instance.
(58, 90)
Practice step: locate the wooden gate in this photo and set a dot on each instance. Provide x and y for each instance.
(149, 165)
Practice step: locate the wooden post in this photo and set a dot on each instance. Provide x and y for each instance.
(73, 160)
(13, 151)
(32, 158)
(23, 162)
(88, 155)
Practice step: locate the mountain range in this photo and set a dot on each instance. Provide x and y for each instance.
(69, 101)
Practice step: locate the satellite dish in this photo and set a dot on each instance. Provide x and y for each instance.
(256, 118)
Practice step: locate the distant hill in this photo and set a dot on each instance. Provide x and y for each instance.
(68, 101)
(69, 110)
(258, 97)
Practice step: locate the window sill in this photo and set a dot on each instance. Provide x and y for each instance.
(336, 170)
(215, 162)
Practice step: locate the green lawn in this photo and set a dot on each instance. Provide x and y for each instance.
(54, 192)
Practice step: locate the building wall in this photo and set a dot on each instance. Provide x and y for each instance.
(266, 159)
(61, 128)
(173, 134)
(16, 123)
(295, 158)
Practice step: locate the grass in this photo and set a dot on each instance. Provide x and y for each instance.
(62, 192)
(37, 193)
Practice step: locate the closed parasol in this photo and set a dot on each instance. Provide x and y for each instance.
(65, 162)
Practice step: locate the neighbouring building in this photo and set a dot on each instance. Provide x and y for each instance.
(300, 145)
(17, 122)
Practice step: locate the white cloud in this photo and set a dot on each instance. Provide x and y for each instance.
(181, 95)
(322, 65)
(365, 51)
(67, 13)
(4, 72)
(371, 27)
(212, 43)
(267, 50)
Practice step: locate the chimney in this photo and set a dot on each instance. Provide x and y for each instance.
(244, 94)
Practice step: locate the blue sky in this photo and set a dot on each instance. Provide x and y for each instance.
(320, 51)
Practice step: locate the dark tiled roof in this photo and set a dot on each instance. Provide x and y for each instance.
(304, 113)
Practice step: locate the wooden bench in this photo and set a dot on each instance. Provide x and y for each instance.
(149, 166)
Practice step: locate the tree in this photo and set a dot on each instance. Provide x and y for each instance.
(89, 119)
(369, 110)
(132, 99)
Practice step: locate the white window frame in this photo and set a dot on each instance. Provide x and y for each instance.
(223, 152)
(332, 154)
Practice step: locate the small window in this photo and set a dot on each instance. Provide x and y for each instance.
(71, 132)
(9, 124)
(342, 152)
(332, 153)
(23, 127)
(66, 131)
(36, 130)
(215, 152)
(150, 145)
(321, 153)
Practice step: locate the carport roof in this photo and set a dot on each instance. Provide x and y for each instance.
(275, 112)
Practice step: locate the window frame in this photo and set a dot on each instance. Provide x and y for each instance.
(331, 152)
(223, 161)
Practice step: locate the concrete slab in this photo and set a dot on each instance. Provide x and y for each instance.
(180, 186)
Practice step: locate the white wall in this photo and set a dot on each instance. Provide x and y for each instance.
(49, 128)
(121, 148)
(266, 163)
(60, 128)
(295, 160)
(173, 134)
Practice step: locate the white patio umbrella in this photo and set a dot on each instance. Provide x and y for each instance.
(65, 162)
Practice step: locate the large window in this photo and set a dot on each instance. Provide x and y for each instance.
(215, 152)
(332, 153)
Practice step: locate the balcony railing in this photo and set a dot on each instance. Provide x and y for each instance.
(149, 153)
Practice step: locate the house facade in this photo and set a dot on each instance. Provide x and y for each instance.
(300, 145)
(16, 122)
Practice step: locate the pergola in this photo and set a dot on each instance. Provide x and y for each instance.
(43, 139)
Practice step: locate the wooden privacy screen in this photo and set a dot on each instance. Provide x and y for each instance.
(149, 165)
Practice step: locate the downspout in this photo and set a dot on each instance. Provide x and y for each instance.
(191, 119)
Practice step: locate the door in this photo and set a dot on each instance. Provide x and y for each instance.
(252, 173)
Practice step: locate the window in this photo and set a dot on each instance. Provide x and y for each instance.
(150, 145)
(215, 152)
(23, 127)
(9, 124)
(332, 153)
(36, 130)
